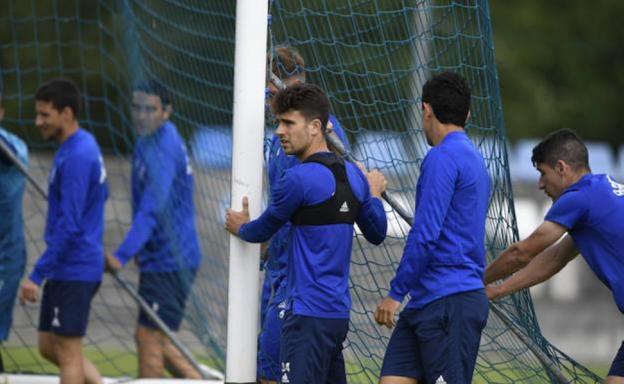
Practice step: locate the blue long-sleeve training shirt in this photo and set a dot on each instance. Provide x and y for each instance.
(444, 253)
(318, 255)
(592, 209)
(163, 234)
(278, 163)
(12, 182)
(74, 229)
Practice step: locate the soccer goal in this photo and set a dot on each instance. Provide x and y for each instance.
(371, 56)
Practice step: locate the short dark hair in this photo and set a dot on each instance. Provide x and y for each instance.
(61, 92)
(285, 61)
(309, 99)
(449, 97)
(563, 144)
(153, 87)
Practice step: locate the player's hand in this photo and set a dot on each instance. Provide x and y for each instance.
(235, 219)
(493, 291)
(29, 292)
(112, 263)
(384, 315)
(377, 182)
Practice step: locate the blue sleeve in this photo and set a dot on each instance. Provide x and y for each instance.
(371, 219)
(287, 198)
(4, 160)
(340, 132)
(569, 209)
(74, 176)
(160, 175)
(436, 189)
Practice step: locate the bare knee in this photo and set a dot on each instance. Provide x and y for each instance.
(46, 347)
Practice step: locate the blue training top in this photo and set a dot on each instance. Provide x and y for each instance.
(592, 210)
(75, 223)
(12, 182)
(162, 234)
(278, 163)
(318, 255)
(444, 253)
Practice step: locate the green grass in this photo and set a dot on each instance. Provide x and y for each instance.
(110, 362)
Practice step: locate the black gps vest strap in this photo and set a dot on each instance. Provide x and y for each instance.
(341, 208)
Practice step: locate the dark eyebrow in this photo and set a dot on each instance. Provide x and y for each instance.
(286, 121)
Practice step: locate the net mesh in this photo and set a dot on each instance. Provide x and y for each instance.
(371, 56)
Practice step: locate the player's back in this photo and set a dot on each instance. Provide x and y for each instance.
(162, 188)
(593, 211)
(455, 254)
(77, 179)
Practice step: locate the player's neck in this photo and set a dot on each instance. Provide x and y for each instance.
(576, 176)
(315, 147)
(68, 132)
(442, 130)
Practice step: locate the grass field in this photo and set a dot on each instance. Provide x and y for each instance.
(112, 363)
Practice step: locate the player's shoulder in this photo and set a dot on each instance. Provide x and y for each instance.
(84, 148)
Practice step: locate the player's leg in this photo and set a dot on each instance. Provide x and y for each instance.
(269, 344)
(336, 373)
(616, 372)
(68, 351)
(308, 348)
(64, 316)
(150, 348)
(177, 364)
(171, 311)
(449, 332)
(402, 363)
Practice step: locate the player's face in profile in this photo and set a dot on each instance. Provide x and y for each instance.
(550, 181)
(294, 132)
(48, 120)
(148, 113)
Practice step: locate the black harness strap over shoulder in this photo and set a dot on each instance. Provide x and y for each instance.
(341, 208)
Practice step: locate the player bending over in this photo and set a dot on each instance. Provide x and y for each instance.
(587, 211)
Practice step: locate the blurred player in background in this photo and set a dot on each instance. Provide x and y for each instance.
(12, 245)
(436, 339)
(322, 198)
(73, 262)
(163, 235)
(587, 211)
(289, 66)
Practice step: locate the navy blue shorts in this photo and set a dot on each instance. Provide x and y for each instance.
(65, 307)
(166, 293)
(311, 350)
(617, 367)
(269, 342)
(440, 342)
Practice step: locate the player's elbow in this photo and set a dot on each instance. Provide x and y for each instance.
(522, 254)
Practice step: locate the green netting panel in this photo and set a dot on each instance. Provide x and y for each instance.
(372, 56)
(106, 47)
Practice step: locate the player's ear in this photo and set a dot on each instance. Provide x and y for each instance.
(560, 166)
(427, 110)
(316, 126)
(167, 111)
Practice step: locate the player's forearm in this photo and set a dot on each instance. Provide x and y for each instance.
(373, 222)
(508, 262)
(541, 268)
(140, 231)
(261, 229)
